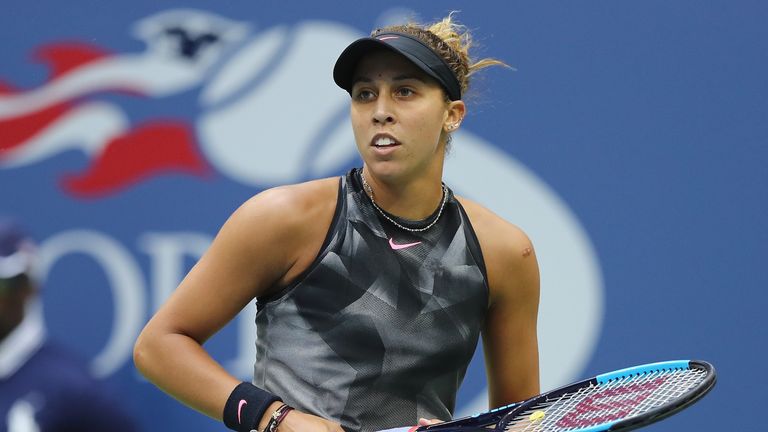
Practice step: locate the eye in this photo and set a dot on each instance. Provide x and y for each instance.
(405, 92)
(364, 95)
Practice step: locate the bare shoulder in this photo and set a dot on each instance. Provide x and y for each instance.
(288, 207)
(509, 254)
(495, 234)
(289, 221)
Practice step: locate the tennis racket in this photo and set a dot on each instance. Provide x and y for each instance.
(622, 400)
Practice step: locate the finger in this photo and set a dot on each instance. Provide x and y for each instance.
(426, 422)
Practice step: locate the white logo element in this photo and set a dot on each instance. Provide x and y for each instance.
(159, 71)
(272, 114)
(21, 418)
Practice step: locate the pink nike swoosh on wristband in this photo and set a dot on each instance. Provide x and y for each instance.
(396, 246)
(240, 409)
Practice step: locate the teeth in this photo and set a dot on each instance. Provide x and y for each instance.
(384, 141)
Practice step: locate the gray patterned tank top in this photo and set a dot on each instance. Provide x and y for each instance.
(380, 329)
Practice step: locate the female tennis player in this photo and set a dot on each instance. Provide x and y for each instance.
(372, 289)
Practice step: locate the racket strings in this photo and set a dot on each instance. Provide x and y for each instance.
(678, 384)
(616, 400)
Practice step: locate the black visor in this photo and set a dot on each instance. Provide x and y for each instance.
(404, 44)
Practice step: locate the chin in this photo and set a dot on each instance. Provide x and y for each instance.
(385, 169)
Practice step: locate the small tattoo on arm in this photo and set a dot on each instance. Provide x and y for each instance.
(527, 252)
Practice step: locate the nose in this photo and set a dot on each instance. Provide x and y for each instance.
(383, 113)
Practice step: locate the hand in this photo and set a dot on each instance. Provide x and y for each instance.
(297, 421)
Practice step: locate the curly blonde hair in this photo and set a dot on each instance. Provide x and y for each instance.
(451, 41)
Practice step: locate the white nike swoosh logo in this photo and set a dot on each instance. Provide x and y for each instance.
(396, 246)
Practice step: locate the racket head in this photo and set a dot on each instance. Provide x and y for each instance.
(617, 401)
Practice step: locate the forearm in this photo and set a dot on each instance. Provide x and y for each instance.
(178, 365)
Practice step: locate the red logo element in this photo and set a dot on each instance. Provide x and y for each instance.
(65, 57)
(64, 113)
(609, 405)
(138, 154)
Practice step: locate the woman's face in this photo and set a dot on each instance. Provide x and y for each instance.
(399, 117)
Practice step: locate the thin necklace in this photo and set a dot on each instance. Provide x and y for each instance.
(368, 189)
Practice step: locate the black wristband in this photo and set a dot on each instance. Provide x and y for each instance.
(246, 406)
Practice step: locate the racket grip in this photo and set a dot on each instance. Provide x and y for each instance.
(448, 428)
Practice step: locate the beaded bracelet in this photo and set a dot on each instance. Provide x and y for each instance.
(277, 417)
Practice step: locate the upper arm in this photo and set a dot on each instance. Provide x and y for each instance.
(510, 339)
(254, 250)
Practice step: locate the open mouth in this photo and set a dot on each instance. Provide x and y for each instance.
(384, 141)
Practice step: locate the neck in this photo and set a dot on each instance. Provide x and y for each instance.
(412, 200)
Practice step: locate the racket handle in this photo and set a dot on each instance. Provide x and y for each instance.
(473, 428)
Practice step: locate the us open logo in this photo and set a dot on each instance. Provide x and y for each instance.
(267, 113)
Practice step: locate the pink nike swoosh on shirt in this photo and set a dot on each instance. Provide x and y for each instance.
(240, 409)
(396, 246)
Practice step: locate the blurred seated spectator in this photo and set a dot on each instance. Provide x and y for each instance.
(43, 386)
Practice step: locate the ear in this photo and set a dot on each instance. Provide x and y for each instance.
(454, 115)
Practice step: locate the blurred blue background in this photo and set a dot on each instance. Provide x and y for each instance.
(645, 123)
